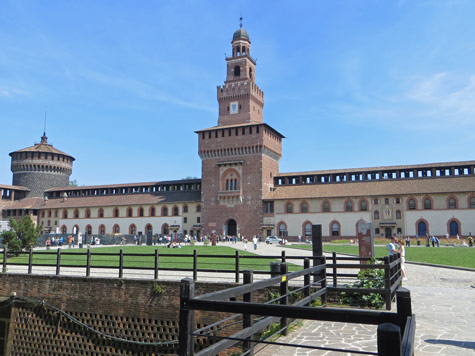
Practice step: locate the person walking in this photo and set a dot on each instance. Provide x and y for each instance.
(402, 251)
(392, 247)
(254, 241)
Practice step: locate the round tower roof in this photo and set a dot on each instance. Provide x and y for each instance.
(240, 34)
(43, 146)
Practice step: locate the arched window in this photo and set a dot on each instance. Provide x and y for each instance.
(116, 229)
(198, 208)
(427, 203)
(454, 228)
(141, 212)
(363, 205)
(88, 213)
(185, 208)
(304, 207)
(75, 229)
(76, 214)
(165, 229)
(376, 215)
(175, 211)
(152, 211)
(421, 228)
(349, 205)
(164, 211)
(116, 212)
(282, 230)
(64, 229)
(326, 207)
(308, 229)
(89, 229)
(132, 229)
(289, 208)
(130, 212)
(65, 214)
(335, 229)
(452, 203)
(230, 180)
(102, 230)
(472, 202)
(100, 214)
(411, 204)
(398, 214)
(149, 229)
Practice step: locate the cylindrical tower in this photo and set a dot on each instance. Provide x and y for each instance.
(41, 167)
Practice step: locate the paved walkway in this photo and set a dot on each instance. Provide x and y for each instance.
(442, 299)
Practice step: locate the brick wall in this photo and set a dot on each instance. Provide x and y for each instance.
(121, 307)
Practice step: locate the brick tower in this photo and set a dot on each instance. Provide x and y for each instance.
(239, 156)
(41, 167)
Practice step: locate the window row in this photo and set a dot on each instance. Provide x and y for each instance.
(130, 212)
(451, 203)
(229, 132)
(326, 206)
(101, 230)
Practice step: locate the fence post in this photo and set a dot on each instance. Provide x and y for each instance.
(237, 266)
(155, 272)
(121, 263)
(389, 340)
(5, 254)
(247, 321)
(323, 278)
(404, 307)
(306, 280)
(195, 265)
(335, 281)
(283, 256)
(185, 339)
(88, 263)
(58, 261)
(284, 297)
(387, 282)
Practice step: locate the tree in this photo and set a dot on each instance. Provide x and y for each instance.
(23, 234)
(73, 183)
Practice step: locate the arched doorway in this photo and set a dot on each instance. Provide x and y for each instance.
(232, 227)
(454, 228)
(387, 232)
(421, 228)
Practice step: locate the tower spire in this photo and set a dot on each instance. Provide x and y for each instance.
(44, 138)
(240, 22)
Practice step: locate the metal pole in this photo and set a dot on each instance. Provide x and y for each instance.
(237, 267)
(185, 339)
(284, 297)
(58, 261)
(155, 275)
(247, 320)
(30, 261)
(195, 265)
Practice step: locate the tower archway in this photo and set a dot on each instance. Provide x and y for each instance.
(232, 227)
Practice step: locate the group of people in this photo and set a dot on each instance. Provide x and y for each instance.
(397, 246)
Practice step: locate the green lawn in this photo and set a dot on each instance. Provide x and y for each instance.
(448, 256)
(108, 257)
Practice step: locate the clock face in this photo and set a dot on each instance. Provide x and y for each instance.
(234, 107)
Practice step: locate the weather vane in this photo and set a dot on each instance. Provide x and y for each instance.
(240, 22)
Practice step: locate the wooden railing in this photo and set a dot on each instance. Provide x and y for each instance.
(395, 333)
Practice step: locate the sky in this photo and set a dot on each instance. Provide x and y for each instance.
(124, 84)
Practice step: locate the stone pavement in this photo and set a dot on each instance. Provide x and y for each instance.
(442, 299)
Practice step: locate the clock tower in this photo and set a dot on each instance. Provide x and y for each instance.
(240, 99)
(240, 156)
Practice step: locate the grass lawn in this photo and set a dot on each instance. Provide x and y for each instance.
(109, 257)
(448, 256)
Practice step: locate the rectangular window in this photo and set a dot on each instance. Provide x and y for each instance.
(198, 219)
(376, 231)
(209, 134)
(386, 201)
(250, 130)
(269, 207)
(375, 201)
(185, 220)
(243, 130)
(236, 131)
(202, 135)
(257, 129)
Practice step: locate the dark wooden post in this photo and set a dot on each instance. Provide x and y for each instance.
(185, 339)
(284, 296)
(58, 261)
(389, 340)
(121, 263)
(88, 263)
(195, 265)
(306, 279)
(30, 261)
(282, 256)
(247, 321)
(335, 281)
(237, 267)
(155, 271)
(5, 254)
(404, 307)
(323, 278)
(387, 282)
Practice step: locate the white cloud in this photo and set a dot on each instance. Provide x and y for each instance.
(8, 93)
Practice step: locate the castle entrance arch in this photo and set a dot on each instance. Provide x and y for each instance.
(232, 227)
(388, 232)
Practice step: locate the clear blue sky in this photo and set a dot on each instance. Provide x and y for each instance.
(125, 84)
